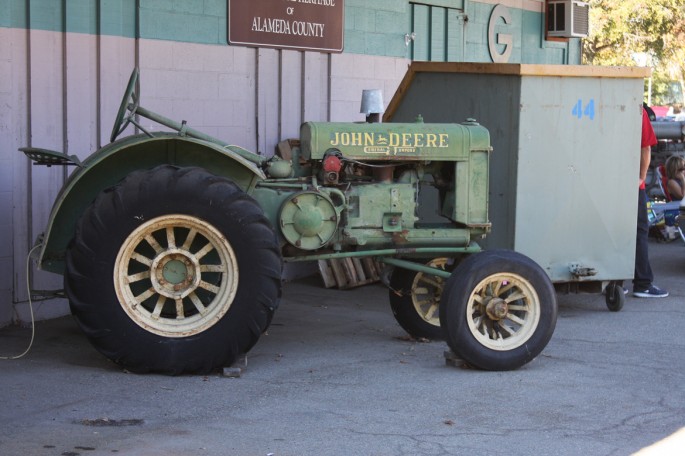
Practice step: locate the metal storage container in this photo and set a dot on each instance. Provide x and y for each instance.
(564, 170)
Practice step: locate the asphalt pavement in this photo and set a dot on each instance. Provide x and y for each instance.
(335, 375)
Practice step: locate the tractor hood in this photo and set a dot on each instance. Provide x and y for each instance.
(394, 141)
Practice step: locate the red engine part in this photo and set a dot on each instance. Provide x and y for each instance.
(332, 164)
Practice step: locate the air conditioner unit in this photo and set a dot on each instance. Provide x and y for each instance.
(568, 18)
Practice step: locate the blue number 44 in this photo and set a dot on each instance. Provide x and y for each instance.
(589, 110)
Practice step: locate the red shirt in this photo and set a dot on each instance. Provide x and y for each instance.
(648, 136)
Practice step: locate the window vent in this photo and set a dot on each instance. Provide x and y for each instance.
(568, 19)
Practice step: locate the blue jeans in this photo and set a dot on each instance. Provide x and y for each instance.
(643, 271)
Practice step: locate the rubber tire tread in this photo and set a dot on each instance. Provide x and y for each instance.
(144, 195)
(403, 308)
(455, 297)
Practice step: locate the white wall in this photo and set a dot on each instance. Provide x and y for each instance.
(61, 91)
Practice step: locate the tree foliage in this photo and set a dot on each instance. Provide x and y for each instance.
(623, 32)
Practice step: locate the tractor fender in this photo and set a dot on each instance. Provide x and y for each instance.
(110, 164)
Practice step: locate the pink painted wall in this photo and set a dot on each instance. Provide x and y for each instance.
(61, 91)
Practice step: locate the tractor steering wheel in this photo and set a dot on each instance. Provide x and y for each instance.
(121, 122)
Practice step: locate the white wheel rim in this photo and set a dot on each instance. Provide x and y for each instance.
(503, 311)
(426, 292)
(176, 275)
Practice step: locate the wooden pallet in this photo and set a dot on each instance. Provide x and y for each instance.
(349, 272)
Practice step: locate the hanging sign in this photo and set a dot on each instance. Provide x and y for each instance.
(313, 25)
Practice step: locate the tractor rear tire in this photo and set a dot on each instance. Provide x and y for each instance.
(173, 270)
(499, 310)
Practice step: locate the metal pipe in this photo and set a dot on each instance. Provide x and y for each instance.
(302, 186)
(664, 129)
(188, 131)
(418, 267)
(473, 248)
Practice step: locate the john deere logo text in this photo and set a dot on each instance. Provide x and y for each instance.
(385, 143)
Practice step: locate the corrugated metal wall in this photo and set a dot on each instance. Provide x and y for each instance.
(65, 90)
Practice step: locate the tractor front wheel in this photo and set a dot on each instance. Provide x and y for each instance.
(174, 270)
(499, 310)
(415, 300)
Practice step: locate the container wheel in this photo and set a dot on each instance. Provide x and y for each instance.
(415, 300)
(615, 297)
(499, 310)
(174, 270)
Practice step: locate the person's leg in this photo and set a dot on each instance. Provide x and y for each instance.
(643, 271)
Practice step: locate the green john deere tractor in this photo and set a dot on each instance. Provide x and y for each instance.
(172, 244)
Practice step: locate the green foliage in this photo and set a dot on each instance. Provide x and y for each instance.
(666, 91)
(623, 32)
